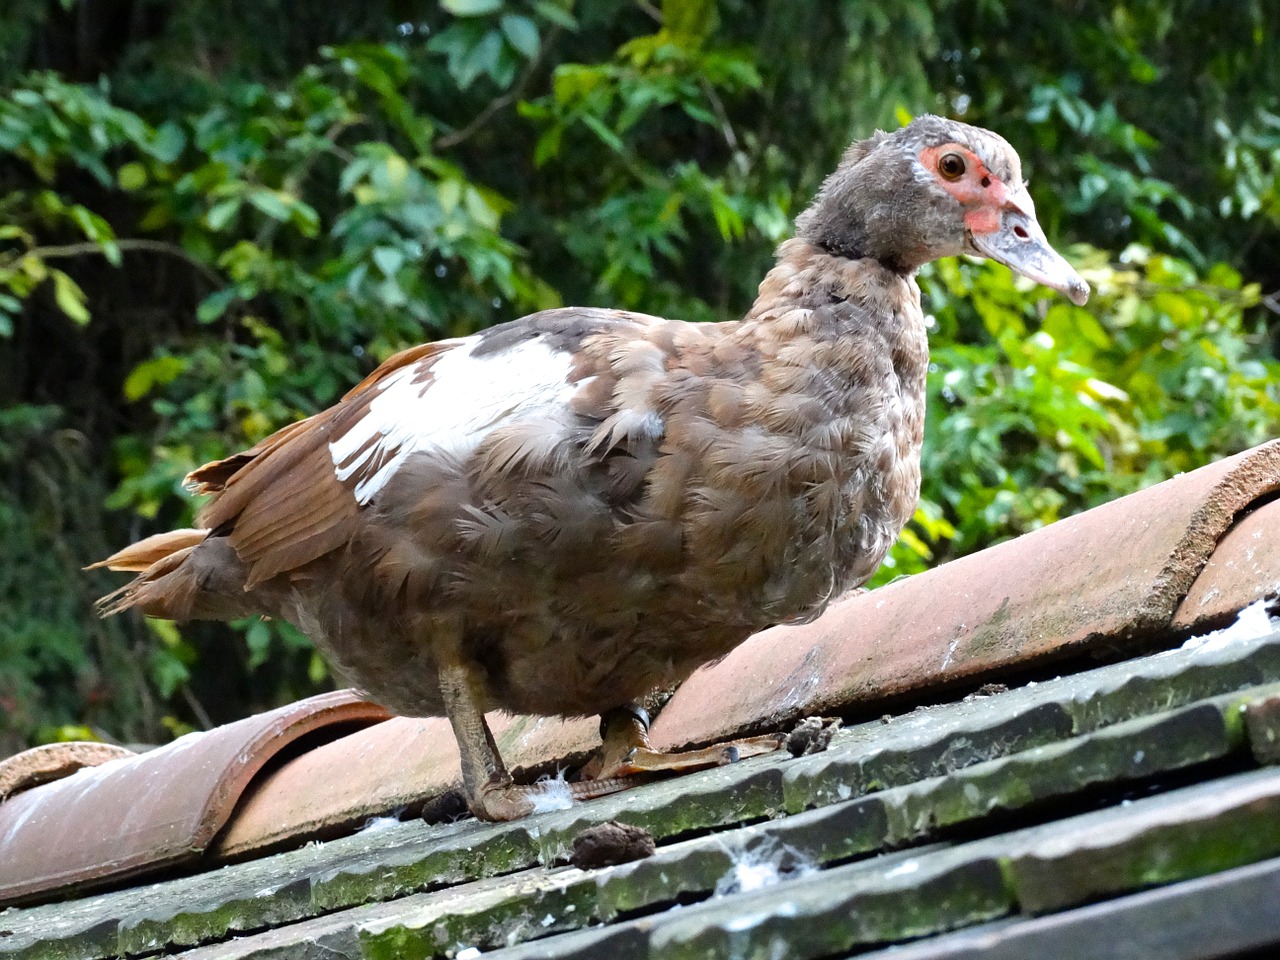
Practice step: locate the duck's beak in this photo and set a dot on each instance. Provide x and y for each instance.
(1019, 243)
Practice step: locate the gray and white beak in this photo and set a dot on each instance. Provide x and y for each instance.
(1020, 245)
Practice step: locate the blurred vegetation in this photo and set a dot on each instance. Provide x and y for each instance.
(215, 217)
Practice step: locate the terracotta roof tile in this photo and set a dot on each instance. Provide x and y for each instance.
(154, 810)
(53, 761)
(1244, 568)
(393, 765)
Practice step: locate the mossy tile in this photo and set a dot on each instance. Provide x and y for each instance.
(840, 909)
(1177, 836)
(723, 796)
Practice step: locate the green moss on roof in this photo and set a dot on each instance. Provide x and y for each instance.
(971, 771)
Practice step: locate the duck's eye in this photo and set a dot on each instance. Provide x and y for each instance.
(951, 166)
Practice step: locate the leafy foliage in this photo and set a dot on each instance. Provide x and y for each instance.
(215, 217)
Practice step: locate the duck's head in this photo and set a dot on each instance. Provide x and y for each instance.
(936, 188)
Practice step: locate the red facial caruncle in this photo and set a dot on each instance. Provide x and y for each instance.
(962, 174)
(1000, 218)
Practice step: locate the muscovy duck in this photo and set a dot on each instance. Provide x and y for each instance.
(560, 514)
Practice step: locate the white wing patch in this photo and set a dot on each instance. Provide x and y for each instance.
(465, 399)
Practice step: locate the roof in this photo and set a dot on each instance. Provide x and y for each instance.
(995, 792)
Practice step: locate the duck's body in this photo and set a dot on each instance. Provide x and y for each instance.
(559, 514)
(601, 501)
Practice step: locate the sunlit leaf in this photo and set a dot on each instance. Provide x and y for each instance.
(149, 374)
(274, 205)
(521, 33)
(221, 213)
(131, 176)
(70, 298)
(471, 8)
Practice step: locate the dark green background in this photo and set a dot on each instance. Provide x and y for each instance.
(215, 216)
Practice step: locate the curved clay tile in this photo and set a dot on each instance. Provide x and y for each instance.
(53, 761)
(155, 810)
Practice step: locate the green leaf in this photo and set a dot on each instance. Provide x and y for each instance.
(482, 58)
(556, 12)
(168, 633)
(317, 669)
(388, 259)
(152, 373)
(479, 209)
(69, 296)
(257, 637)
(450, 194)
(607, 136)
(222, 213)
(131, 176)
(168, 143)
(548, 146)
(97, 229)
(471, 8)
(305, 218)
(167, 670)
(688, 21)
(274, 204)
(215, 305)
(522, 34)
(69, 732)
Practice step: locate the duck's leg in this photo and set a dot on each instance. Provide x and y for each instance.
(626, 750)
(490, 792)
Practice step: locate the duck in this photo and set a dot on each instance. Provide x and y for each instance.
(560, 514)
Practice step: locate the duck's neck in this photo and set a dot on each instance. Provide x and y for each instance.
(807, 278)
(845, 331)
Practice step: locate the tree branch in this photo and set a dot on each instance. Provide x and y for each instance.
(128, 245)
(496, 105)
(717, 105)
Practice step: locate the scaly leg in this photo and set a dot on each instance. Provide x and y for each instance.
(626, 750)
(490, 792)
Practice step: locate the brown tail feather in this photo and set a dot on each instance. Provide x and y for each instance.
(181, 575)
(140, 556)
(171, 598)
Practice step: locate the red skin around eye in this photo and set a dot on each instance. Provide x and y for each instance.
(982, 203)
